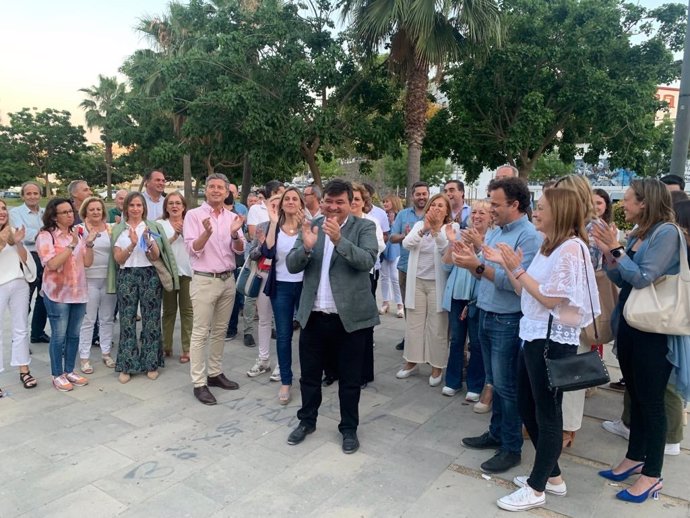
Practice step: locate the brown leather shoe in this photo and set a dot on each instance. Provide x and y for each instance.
(204, 395)
(222, 382)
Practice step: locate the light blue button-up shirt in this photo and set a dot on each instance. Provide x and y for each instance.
(32, 222)
(405, 217)
(498, 296)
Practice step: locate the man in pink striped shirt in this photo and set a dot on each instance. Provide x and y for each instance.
(212, 235)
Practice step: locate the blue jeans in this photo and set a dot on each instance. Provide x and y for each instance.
(458, 335)
(499, 334)
(284, 301)
(65, 324)
(476, 376)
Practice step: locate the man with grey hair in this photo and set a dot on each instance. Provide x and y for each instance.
(212, 236)
(30, 216)
(312, 202)
(78, 191)
(115, 214)
(507, 171)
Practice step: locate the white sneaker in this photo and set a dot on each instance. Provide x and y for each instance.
(275, 375)
(617, 428)
(435, 382)
(260, 367)
(554, 489)
(447, 391)
(672, 449)
(402, 373)
(521, 500)
(472, 397)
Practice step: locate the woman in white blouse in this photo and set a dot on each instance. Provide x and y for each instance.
(14, 294)
(101, 304)
(174, 210)
(426, 333)
(558, 292)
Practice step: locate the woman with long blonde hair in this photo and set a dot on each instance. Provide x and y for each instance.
(558, 298)
(390, 285)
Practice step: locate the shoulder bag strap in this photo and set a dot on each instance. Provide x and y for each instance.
(589, 292)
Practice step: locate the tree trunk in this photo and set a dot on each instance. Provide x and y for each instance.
(313, 167)
(246, 177)
(48, 193)
(415, 121)
(187, 176)
(109, 169)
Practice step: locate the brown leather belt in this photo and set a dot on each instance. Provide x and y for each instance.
(222, 275)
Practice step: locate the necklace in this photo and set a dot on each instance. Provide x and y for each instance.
(289, 231)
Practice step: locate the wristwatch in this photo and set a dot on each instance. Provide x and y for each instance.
(479, 270)
(71, 246)
(617, 252)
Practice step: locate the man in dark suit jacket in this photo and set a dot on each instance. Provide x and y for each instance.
(336, 308)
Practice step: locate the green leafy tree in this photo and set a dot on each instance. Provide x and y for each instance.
(568, 72)
(46, 142)
(422, 35)
(549, 167)
(13, 169)
(103, 110)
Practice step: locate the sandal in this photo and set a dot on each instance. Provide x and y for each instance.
(284, 397)
(86, 367)
(108, 360)
(27, 380)
(184, 358)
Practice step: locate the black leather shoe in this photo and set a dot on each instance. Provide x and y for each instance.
(299, 433)
(42, 339)
(273, 334)
(350, 442)
(204, 395)
(231, 335)
(222, 382)
(400, 346)
(249, 341)
(328, 381)
(483, 442)
(502, 461)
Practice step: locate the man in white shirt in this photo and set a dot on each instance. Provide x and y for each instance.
(154, 194)
(78, 191)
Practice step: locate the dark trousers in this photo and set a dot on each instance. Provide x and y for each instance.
(368, 360)
(642, 357)
(322, 334)
(540, 408)
(39, 317)
(239, 304)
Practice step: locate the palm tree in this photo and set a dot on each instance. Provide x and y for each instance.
(103, 106)
(422, 34)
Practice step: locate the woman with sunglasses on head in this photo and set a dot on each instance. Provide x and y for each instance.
(558, 298)
(101, 304)
(65, 291)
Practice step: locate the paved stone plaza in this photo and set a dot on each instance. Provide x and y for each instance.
(148, 448)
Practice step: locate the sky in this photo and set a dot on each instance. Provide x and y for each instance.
(51, 49)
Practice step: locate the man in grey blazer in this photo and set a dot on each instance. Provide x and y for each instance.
(336, 308)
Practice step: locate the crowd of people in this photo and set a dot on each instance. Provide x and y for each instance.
(488, 290)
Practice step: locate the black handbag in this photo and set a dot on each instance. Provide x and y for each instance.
(579, 371)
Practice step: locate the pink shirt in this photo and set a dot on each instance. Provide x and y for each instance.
(218, 254)
(67, 284)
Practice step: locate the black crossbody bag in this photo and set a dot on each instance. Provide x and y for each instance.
(579, 371)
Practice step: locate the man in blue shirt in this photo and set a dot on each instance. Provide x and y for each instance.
(30, 216)
(499, 319)
(403, 223)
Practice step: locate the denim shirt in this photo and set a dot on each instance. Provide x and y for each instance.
(498, 296)
(461, 285)
(405, 217)
(658, 255)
